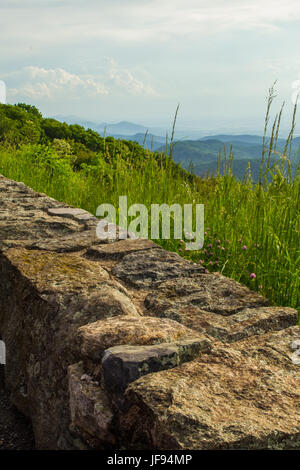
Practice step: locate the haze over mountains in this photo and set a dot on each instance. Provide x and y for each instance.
(198, 153)
(201, 155)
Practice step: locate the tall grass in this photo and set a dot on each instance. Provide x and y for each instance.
(252, 230)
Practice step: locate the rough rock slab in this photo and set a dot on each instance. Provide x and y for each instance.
(120, 248)
(275, 348)
(79, 215)
(150, 267)
(38, 228)
(71, 283)
(31, 202)
(184, 299)
(241, 325)
(122, 365)
(59, 272)
(66, 244)
(222, 400)
(90, 407)
(95, 338)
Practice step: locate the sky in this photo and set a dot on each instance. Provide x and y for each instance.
(135, 60)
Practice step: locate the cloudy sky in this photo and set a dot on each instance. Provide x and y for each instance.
(136, 59)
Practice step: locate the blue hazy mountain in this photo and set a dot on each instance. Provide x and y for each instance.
(245, 138)
(197, 153)
(201, 155)
(121, 128)
(125, 128)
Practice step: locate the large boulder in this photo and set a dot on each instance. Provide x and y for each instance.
(222, 400)
(95, 338)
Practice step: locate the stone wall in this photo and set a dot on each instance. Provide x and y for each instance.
(124, 345)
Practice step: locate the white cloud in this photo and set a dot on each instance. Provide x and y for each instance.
(37, 82)
(33, 82)
(124, 80)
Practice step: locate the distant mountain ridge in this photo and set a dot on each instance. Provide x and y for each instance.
(199, 153)
(245, 138)
(201, 156)
(122, 128)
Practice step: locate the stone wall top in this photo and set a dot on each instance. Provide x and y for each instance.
(123, 344)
